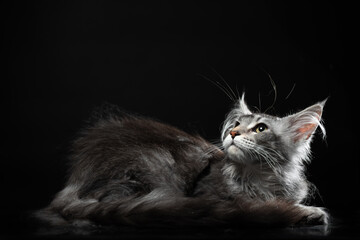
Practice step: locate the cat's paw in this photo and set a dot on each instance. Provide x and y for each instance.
(313, 216)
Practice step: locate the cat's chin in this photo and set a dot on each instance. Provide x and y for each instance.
(235, 153)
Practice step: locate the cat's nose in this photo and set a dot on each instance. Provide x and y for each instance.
(234, 133)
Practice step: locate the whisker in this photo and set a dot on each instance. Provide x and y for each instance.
(215, 141)
(274, 151)
(274, 160)
(257, 109)
(218, 146)
(264, 153)
(292, 89)
(222, 88)
(275, 92)
(270, 160)
(229, 88)
(237, 91)
(259, 101)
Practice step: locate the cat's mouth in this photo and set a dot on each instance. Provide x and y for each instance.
(232, 146)
(237, 148)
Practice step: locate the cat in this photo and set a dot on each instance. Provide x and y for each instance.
(131, 170)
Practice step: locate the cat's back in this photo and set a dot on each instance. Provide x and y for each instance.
(113, 139)
(139, 151)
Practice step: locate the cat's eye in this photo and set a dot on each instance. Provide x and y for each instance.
(237, 123)
(260, 128)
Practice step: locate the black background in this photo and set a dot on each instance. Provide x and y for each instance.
(62, 59)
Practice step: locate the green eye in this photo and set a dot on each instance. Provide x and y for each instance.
(260, 128)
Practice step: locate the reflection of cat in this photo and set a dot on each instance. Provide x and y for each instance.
(132, 170)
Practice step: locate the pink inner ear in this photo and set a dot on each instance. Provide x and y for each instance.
(306, 129)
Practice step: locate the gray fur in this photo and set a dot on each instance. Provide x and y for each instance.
(133, 170)
(270, 164)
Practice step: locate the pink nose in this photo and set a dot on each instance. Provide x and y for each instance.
(234, 134)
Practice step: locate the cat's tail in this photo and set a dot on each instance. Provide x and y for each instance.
(51, 221)
(47, 216)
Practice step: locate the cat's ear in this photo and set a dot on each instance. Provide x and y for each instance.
(243, 108)
(303, 124)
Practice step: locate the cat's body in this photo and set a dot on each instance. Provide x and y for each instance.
(131, 170)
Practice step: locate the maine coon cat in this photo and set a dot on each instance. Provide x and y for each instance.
(136, 171)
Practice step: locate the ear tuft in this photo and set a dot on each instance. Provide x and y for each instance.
(242, 105)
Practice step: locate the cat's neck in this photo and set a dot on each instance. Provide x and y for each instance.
(261, 182)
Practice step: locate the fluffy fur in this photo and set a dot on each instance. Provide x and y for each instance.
(136, 171)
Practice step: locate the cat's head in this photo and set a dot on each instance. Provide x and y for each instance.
(261, 138)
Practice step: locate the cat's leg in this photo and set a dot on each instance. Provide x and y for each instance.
(163, 207)
(269, 213)
(313, 215)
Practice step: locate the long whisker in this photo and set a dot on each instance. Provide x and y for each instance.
(274, 160)
(229, 88)
(292, 89)
(257, 109)
(267, 160)
(270, 159)
(275, 152)
(264, 153)
(217, 146)
(222, 88)
(215, 142)
(261, 155)
(237, 91)
(259, 101)
(275, 92)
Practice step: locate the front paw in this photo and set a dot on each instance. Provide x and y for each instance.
(313, 216)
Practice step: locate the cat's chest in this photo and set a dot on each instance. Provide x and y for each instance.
(251, 182)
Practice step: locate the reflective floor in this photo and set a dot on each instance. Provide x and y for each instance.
(341, 228)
